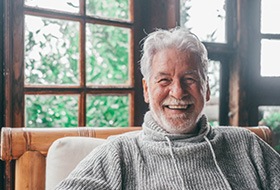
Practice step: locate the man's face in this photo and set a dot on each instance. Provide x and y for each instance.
(175, 91)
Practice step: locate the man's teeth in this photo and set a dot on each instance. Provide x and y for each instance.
(178, 106)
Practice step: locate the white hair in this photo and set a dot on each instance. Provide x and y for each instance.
(179, 38)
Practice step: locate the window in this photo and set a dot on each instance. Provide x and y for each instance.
(267, 101)
(212, 106)
(206, 19)
(75, 61)
(270, 38)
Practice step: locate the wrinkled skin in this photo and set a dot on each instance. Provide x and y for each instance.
(176, 90)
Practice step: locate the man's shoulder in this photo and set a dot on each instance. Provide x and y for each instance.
(118, 144)
(232, 131)
(127, 137)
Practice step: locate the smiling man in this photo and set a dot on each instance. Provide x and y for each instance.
(177, 148)
(176, 91)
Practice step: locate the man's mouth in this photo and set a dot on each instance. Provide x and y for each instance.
(178, 107)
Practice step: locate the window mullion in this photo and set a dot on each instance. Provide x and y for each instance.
(17, 66)
(82, 64)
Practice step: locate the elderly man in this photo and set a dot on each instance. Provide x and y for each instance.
(177, 148)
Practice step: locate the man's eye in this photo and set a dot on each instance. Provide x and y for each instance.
(164, 81)
(189, 81)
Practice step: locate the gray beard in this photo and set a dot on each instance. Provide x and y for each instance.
(170, 124)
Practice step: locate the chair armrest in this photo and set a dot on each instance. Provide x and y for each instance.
(16, 141)
(263, 132)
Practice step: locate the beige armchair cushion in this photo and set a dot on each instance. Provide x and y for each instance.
(64, 154)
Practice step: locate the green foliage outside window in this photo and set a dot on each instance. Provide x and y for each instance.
(271, 118)
(51, 51)
(52, 58)
(112, 9)
(51, 111)
(107, 55)
(107, 111)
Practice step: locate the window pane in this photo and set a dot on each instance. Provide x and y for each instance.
(204, 18)
(51, 111)
(270, 116)
(107, 54)
(51, 51)
(212, 106)
(269, 15)
(110, 9)
(270, 63)
(107, 111)
(60, 5)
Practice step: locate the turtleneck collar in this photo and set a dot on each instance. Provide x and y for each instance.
(154, 131)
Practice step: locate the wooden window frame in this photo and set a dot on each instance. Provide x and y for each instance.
(15, 90)
(262, 91)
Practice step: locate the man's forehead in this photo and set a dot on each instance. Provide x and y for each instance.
(168, 73)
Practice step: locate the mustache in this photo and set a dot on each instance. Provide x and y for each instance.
(174, 101)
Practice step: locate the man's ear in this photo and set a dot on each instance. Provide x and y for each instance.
(208, 91)
(145, 90)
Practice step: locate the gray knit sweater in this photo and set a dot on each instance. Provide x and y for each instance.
(219, 158)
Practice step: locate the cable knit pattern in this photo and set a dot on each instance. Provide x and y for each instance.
(218, 158)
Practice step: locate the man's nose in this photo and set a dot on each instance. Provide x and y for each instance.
(178, 90)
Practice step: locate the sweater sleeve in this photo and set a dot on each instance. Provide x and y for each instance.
(101, 169)
(267, 163)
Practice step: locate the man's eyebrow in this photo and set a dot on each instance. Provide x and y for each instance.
(191, 72)
(161, 74)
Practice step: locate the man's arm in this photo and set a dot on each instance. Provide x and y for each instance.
(267, 162)
(99, 170)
